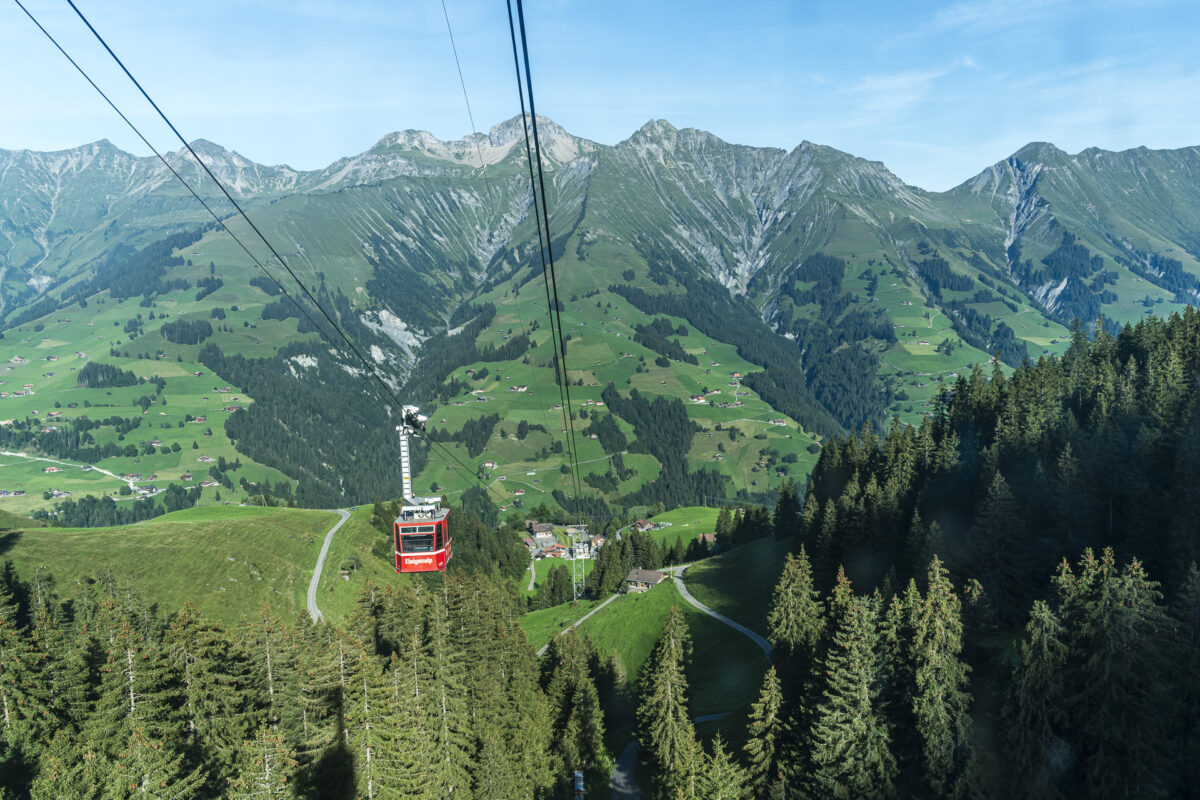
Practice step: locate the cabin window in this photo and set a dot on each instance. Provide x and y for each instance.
(437, 542)
(416, 543)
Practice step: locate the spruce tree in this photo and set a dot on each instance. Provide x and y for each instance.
(794, 621)
(1001, 550)
(217, 704)
(1186, 612)
(578, 720)
(443, 696)
(940, 697)
(849, 742)
(25, 715)
(1036, 711)
(721, 778)
(151, 769)
(1119, 653)
(70, 768)
(266, 768)
(764, 732)
(786, 520)
(664, 726)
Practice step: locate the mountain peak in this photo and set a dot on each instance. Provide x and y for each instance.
(558, 145)
(1040, 152)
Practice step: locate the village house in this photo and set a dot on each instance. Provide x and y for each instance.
(530, 543)
(639, 580)
(554, 551)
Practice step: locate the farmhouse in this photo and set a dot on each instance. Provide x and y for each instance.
(639, 580)
(51, 469)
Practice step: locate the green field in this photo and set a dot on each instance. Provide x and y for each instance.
(687, 522)
(38, 366)
(543, 624)
(229, 561)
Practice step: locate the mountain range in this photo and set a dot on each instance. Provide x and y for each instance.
(844, 294)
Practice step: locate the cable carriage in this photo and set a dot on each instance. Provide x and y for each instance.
(422, 531)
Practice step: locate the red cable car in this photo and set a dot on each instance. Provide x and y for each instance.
(422, 531)
(422, 538)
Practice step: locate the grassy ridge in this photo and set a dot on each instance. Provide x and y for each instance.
(727, 668)
(229, 561)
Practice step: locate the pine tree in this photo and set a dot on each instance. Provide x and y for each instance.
(764, 732)
(850, 747)
(940, 698)
(664, 726)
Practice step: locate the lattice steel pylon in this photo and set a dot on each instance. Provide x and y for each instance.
(580, 543)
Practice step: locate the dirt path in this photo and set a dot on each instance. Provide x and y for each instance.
(532, 576)
(127, 481)
(313, 611)
(580, 621)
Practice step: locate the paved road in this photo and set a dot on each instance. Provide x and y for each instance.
(582, 619)
(762, 643)
(313, 611)
(532, 575)
(622, 784)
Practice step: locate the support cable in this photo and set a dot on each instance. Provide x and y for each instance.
(386, 389)
(545, 249)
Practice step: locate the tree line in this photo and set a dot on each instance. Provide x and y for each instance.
(429, 690)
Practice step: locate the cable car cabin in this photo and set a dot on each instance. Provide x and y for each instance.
(422, 538)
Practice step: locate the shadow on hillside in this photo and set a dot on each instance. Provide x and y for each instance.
(8, 540)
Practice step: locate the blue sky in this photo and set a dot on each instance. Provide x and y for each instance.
(935, 90)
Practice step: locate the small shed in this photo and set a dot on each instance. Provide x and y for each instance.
(639, 580)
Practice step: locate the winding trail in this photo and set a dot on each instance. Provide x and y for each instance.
(313, 611)
(677, 573)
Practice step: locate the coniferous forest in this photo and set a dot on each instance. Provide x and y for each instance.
(1002, 602)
